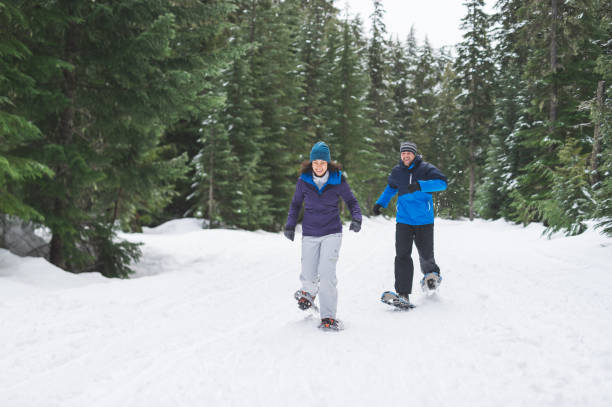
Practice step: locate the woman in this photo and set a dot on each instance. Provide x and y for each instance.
(320, 184)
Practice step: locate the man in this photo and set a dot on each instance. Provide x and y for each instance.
(413, 180)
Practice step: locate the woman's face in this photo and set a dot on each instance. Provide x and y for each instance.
(319, 167)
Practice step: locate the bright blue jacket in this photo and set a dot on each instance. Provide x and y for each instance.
(413, 208)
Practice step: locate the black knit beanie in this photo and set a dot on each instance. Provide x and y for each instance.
(408, 146)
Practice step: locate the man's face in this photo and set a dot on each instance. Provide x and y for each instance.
(407, 158)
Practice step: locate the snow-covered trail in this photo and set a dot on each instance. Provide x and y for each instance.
(210, 320)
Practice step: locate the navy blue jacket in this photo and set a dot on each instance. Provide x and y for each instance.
(413, 208)
(321, 211)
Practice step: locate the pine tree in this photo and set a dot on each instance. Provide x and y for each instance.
(17, 132)
(561, 40)
(475, 74)
(379, 95)
(426, 79)
(205, 49)
(215, 167)
(601, 114)
(383, 140)
(411, 51)
(122, 85)
(243, 123)
(278, 89)
(400, 80)
(345, 110)
(504, 157)
(447, 154)
(318, 16)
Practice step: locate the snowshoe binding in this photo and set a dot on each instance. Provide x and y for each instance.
(431, 282)
(330, 324)
(399, 301)
(305, 301)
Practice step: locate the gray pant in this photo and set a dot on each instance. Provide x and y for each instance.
(319, 258)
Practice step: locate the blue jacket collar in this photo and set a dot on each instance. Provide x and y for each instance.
(334, 179)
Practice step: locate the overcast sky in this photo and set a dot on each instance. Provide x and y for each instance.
(439, 20)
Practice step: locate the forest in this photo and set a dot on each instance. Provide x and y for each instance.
(115, 115)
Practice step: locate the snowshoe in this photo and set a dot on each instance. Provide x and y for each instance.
(431, 282)
(401, 302)
(305, 301)
(330, 324)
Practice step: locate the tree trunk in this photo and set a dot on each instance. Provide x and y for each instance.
(211, 183)
(2, 230)
(553, 65)
(116, 207)
(597, 133)
(472, 145)
(253, 18)
(65, 133)
(472, 179)
(56, 251)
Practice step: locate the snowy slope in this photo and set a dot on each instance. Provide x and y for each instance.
(209, 320)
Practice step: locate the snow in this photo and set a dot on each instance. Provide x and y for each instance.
(209, 320)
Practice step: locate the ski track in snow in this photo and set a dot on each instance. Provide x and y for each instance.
(210, 319)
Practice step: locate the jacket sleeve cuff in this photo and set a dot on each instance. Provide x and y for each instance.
(433, 185)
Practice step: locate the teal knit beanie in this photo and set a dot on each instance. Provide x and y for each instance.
(320, 151)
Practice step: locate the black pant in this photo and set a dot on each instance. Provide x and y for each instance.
(422, 236)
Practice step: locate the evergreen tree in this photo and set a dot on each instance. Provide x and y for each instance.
(380, 95)
(330, 101)
(318, 16)
(426, 78)
(17, 132)
(278, 90)
(208, 53)
(411, 56)
(400, 80)
(570, 184)
(504, 156)
(243, 123)
(475, 75)
(121, 87)
(383, 140)
(215, 167)
(345, 108)
(561, 40)
(447, 154)
(601, 114)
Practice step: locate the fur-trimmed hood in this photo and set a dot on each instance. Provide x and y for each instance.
(306, 167)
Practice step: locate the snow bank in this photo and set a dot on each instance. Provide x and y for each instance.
(521, 321)
(177, 226)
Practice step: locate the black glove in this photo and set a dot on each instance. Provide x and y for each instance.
(376, 209)
(289, 233)
(355, 226)
(415, 186)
